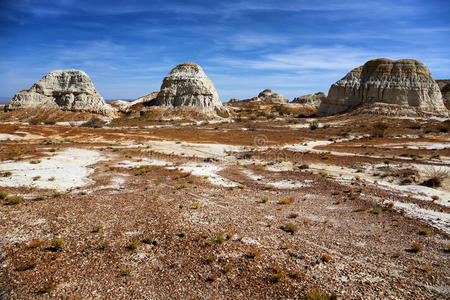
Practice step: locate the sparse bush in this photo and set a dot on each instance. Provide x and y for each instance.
(3, 195)
(416, 248)
(47, 288)
(35, 162)
(125, 272)
(379, 129)
(228, 268)
(181, 186)
(148, 240)
(313, 125)
(325, 258)
(374, 210)
(196, 205)
(103, 245)
(133, 245)
(285, 201)
(35, 244)
(7, 174)
(291, 228)
(426, 268)
(277, 276)
(435, 177)
(317, 294)
(56, 244)
(424, 231)
(220, 239)
(13, 200)
(94, 123)
(264, 200)
(56, 195)
(210, 259)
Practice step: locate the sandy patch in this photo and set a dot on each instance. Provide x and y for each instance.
(69, 169)
(209, 172)
(440, 220)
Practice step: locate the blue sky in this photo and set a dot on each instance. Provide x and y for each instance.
(293, 47)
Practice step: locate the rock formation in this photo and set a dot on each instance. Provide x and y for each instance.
(444, 86)
(311, 99)
(188, 85)
(126, 106)
(269, 96)
(404, 82)
(70, 90)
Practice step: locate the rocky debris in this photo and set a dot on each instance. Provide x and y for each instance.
(70, 90)
(444, 86)
(405, 82)
(269, 96)
(311, 99)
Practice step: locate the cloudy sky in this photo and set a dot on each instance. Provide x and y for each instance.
(293, 47)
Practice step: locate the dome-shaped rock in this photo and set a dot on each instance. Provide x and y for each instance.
(70, 90)
(311, 99)
(405, 82)
(269, 96)
(188, 85)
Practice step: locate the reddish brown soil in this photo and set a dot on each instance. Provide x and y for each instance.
(367, 253)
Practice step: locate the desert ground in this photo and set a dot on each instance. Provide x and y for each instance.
(354, 206)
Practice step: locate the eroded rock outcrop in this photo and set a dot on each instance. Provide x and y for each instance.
(405, 82)
(444, 86)
(127, 106)
(269, 96)
(188, 85)
(70, 90)
(311, 99)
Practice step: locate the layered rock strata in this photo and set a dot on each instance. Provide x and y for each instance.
(70, 90)
(188, 85)
(311, 99)
(405, 82)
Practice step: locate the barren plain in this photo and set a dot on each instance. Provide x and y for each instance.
(354, 206)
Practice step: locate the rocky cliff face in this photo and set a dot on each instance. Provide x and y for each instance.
(70, 90)
(311, 99)
(405, 82)
(444, 86)
(188, 85)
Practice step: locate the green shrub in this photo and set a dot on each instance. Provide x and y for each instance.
(13, 200)
(317, 294)
(133, 245)
(3, 195)
(291, 228)
(125, 272)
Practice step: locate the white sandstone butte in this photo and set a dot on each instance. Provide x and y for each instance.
(187, 85)
(405, 82)
(70, 90)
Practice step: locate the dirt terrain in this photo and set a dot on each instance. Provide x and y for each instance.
(354, 206)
